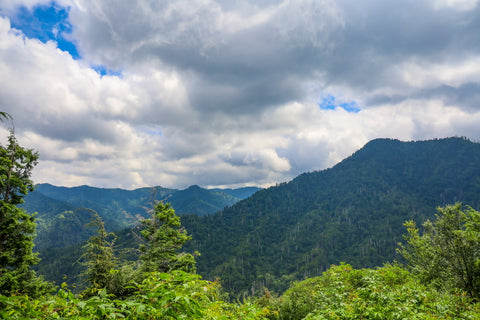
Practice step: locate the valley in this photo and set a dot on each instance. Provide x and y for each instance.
(353, 212)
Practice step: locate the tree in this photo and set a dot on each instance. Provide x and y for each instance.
(164, 238)
(17, 227)
(99, 256)
(5, 116)
(388, 292)
(447, 254)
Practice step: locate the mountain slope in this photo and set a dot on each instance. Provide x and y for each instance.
(63, 212)
(352, 212)
(59, 224)
(201, 202)
(118, 208)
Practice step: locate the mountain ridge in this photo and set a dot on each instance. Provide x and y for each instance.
(352, 212)
(62, 212)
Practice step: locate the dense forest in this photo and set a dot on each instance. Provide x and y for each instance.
(352, 213)
(62, 213)
(381, 235)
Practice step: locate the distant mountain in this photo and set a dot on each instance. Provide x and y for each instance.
(59, 223)
(201, 202)
(63, 212)
(353, 212)
(240, 193)
(118, 208)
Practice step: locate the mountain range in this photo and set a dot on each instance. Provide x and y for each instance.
(62, 213)
(353, 212)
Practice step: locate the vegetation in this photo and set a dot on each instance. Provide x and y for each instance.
(5, 116)
(389, 292)
(441, 280)
(353, 212)
(165, 238)
(17, 228)
(62, 218)
(176, 295)
(99, 257)
(342, 292)
(448, 253)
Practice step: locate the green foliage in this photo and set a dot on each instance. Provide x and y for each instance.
(177, 295)
(341, 292)
(5, 116)
(389, 292)
(352, 212)
(99, 257)
(447, 254)
(164, 238)
(63, 214)
(202, 202)
(17, 228)
(126, 208)
(16, 164)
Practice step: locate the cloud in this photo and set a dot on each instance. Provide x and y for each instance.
(222, 93)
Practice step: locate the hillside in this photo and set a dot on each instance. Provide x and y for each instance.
(63, 212)
(353, 212)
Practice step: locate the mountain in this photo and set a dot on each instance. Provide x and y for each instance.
(202, 202)
(353, 212)
(241, 193)
(62, 213)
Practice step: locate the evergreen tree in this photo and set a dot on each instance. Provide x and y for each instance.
(17, 227)
(99, 256)
(165, 237)
(4, 116)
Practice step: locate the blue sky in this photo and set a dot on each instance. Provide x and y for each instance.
(50, 21)
(331, 103)
(47, 22)
(231, 93)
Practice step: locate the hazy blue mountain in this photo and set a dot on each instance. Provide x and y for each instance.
(118, 208)
(63, 212)
(201, 202)
(240, 193)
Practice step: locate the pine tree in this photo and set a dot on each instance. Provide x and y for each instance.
(165, 237)
(99, 255)
(17, 227)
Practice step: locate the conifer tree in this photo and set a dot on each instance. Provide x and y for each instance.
(4, 116)
(17, 227)
(99, 255)
(164, 238)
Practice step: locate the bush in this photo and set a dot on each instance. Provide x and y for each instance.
(389, 292)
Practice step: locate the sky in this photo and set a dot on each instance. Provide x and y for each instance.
(128, 94)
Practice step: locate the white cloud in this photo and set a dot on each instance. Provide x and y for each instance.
(221, 93)
(423, 74)
(455, 4)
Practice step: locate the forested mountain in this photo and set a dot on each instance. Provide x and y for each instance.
(353, 212)
(62, 213)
